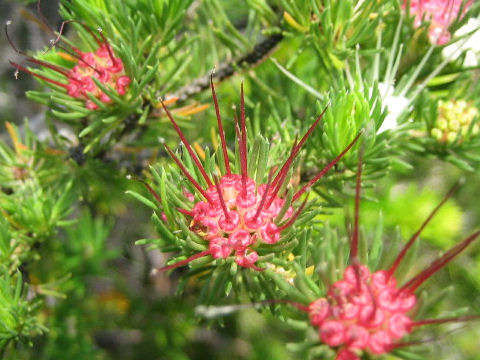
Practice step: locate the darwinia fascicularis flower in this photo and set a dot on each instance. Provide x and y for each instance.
(235, 214)
(101, 64)
(440, 13)
(369, 311)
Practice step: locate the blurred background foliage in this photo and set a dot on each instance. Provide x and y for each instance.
(72, 283)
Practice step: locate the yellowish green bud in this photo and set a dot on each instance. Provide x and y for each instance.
(451, 136)
(437, 134)
(454, 121)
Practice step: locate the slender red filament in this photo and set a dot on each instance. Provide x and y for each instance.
(220, 128)
(239, 137)
(264, 196)
(186, 261)
(354, 245)
(150, 189)
(446, 320)
(185, 212)
(285, 168)
(78, 55)
(242, 156)
(56, 68)
(256, 268)
(415, 236)
(243, 143)
(418, 280)
(62, 25)
(24, 69)
(296, 148)
(294, 216)
(188, 175)
(326, 168)
(187, 145)
(222, 200)
(11, 42)
(104, 39)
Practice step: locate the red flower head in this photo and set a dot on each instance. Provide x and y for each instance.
(369, 311)
(236, 214)
(101, 65)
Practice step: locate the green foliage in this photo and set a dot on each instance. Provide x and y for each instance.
(17, 315)
(405, 207)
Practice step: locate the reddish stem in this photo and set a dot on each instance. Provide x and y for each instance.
(415, 236)
(187, 145)
(220, 128)
(326, 168)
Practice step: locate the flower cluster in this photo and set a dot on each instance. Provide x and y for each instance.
(440, 13)
(235, 215)
(79, 82)
(102, 65)
(455, 120)
(238, 215)
(364, 311)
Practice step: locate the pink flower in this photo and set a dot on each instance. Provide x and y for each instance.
(368, 310)
(440, 14)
